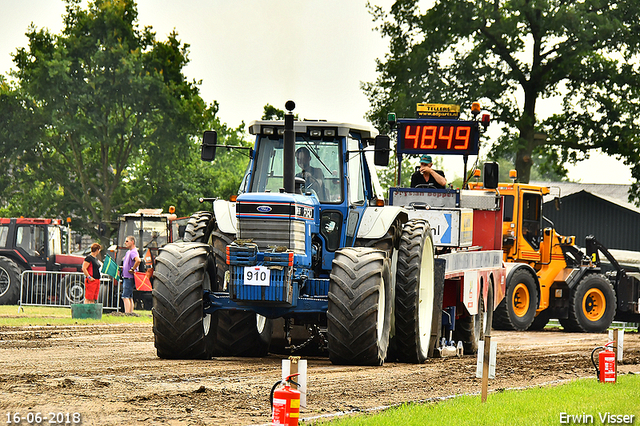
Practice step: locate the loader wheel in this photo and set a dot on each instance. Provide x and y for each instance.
(472, 328)
(360, 306)
(518, 309)
(180, 327)
(9, 281)
(540, 321)
(199, 227)
(241, 333)
(593, 305)
(416, 294)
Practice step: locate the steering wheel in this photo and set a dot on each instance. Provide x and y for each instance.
(425, 185)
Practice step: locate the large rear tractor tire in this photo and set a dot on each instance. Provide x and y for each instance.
(9, 281)
(360, 307)
(518, 309)
(592, 306)
(242, 333)
(180, 327)
(199, 227)
(416, 305)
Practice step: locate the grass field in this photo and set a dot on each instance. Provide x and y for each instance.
(587, 400)
(13, 316)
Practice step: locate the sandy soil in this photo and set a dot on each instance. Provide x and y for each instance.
(112, 376)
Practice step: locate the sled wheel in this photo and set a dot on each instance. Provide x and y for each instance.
(472, 328)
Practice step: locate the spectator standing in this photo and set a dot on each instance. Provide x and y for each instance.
(91, 271)
(129, 267)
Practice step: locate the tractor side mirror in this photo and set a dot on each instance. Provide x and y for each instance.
(381, 153)
(209, 141)
(556, 203)
(490, 175)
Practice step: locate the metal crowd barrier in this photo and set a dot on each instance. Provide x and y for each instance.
(47, 288)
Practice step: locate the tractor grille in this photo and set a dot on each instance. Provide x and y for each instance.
(270, 233)
(281, 291)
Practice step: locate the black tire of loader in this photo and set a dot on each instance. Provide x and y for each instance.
(199, 227)
(504, 317)
(180, 328)
(577, 320)
(10, 280)
(408, 324)
(540, 321)
(357, 278)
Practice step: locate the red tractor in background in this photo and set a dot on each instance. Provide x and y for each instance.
(38, 245)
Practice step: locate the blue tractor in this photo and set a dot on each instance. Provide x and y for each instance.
(308, 242)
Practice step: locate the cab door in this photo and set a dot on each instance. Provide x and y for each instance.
(31, 244)
(529, 232)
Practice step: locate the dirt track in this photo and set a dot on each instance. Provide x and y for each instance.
(111, 376)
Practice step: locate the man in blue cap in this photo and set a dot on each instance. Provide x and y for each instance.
(426, 176)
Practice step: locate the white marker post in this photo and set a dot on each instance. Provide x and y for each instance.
(486, 370)
(295, 365)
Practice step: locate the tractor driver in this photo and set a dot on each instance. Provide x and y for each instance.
(426, 176)
(312, 176)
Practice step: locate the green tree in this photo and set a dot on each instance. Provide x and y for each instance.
(510, 56)
(100, 120)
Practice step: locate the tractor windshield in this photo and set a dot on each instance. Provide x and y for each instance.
(317, 161)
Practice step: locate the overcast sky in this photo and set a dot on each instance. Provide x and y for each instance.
(252, 52)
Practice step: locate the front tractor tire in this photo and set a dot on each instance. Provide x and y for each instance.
(180, 327)
(417, 294)
(593, 305)
(360, 306)
(9, 281)
(518, 308)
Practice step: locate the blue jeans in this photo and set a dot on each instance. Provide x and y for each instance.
(128, 285)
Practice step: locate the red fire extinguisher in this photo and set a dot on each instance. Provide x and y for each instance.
(285, 403)
(607, 362)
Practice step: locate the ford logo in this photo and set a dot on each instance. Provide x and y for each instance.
(264, 209)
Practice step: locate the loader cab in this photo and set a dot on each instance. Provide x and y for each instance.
(522, 221)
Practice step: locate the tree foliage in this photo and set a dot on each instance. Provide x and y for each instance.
(510, 55)
(100, 120)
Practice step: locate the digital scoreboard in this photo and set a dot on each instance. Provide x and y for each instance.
(438, 136)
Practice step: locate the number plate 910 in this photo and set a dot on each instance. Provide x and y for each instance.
(257, 275)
